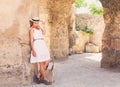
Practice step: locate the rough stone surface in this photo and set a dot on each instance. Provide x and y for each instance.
(79, 40)
(111, 36)
(14, 42)
(92, 48)
(14, 38)
(61, 14)
(14, 35)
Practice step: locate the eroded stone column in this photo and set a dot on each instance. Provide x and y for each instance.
(111, 37)
(60, 11)
(15, 67)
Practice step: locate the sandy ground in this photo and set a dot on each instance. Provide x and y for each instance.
(83, 70)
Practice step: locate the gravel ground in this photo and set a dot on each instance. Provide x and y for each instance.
(83, 70)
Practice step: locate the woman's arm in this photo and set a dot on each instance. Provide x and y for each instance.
(31, 42)
(43, 29)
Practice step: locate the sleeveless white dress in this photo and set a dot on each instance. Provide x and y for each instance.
(40, 47)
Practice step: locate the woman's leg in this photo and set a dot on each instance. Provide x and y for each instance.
(42, 70)
(39, 72)
(46, 64)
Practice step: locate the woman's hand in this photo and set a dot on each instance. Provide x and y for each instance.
(43, 28)
(34, 53)
(43, 32)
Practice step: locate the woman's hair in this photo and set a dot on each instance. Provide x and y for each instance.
(31, 23)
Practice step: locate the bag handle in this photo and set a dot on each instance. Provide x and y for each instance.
(52, 64)
(52, 67)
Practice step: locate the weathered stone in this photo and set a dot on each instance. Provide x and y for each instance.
(92, 48)
(14, 33)
(111, 36)
(11, 75)
(59, 38)
(79, 40)
(110, 58)
(10, 52)
(96, 38)
(14, 42)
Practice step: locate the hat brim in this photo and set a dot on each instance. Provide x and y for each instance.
(36, 21)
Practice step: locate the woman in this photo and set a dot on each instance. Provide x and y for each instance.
(39, 51)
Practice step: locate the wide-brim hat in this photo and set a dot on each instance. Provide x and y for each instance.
(35, 19)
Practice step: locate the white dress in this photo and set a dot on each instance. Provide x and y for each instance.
(40, 47)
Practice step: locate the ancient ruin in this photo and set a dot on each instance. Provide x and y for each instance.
(111, 37)
(14, 33)
(58, 14)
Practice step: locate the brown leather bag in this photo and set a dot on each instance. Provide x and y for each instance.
(50, 71)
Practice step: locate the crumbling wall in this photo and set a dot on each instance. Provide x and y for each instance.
(111, 37)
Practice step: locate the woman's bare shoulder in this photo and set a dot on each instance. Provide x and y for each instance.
(31, 29)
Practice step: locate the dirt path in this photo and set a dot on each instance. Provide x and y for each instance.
(84, 70)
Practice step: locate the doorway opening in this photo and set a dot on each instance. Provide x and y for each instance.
(89, 27)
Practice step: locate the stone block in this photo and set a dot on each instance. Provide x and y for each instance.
(92, 48)
(10, 52)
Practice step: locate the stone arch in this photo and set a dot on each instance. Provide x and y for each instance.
(14, 42)
(111, 36)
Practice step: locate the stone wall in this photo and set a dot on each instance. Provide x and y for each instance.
(83, 42)
(14, 35)
(14, 48)
(14, 41)
(61, 14)
(78, 41)
(15, 67)
(111, 37)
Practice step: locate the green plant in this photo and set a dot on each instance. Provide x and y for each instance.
(84, 29)
(80, 3)
(94, 9)
(77, 27)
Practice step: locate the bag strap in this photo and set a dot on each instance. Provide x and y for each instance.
(52, 64)
(52, 67)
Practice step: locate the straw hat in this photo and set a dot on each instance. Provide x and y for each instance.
(35, 19)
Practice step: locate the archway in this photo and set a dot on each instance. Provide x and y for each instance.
(89, 27)
(14, 42)
(110, 41)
